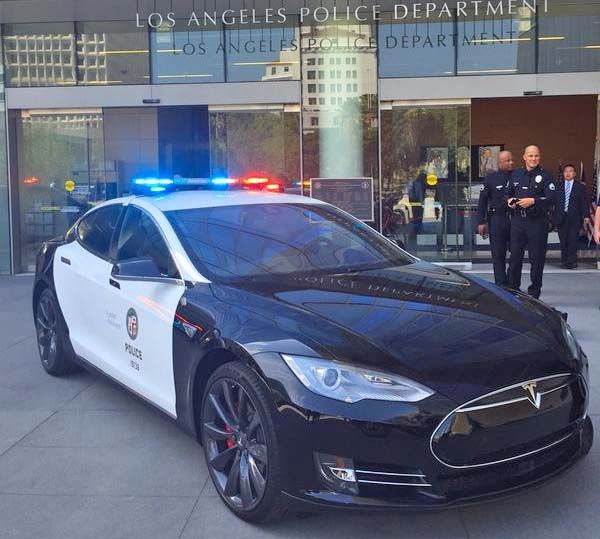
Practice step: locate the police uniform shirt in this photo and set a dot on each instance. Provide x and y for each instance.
(536, 184)
(493, 195)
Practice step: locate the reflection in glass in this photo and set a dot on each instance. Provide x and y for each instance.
(496, 45)
(111, 53)
(4, 226)
(263, 53)
(340, 103)
(258, 142)
(187, 54)
(414, 48)
(426, 179)
(53, 148)
(39, 54)
(569, 38)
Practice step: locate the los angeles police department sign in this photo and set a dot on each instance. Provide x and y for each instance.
(363, 13)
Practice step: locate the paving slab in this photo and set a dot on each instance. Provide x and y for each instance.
(25, 386)
(157, 470)
(212, 520)
(15, 425)
(84, 517)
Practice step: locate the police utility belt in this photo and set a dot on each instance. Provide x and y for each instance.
(499, 212)
(529, 212)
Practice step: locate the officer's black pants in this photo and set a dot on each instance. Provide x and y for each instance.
(568, 232)
(530, 232)
(499, 228)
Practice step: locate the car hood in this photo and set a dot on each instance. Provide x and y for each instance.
(459, 335)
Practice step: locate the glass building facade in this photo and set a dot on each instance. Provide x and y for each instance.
(413, 105)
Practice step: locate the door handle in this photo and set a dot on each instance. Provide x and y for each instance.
(65, 260)
(114, 283)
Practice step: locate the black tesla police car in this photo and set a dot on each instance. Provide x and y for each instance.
(312, 358)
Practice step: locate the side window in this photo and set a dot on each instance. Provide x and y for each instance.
(140, 238)
(96, 229)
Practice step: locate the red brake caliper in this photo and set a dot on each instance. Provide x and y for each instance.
(230, 441)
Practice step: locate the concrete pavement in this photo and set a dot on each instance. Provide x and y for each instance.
(81, 458)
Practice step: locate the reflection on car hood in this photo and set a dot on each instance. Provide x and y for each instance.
(453, 333)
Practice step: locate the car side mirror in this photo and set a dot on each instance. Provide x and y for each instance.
(142, 270)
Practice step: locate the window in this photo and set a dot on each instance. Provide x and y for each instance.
(95, 231)
(354, 61)
(354, 74)
(347, 61)
(321, 101)
(273, 71)
(140, 238)
(312, 88)
(332, 74)
(312, 100)
(355, 87)
(39, 54)
(314, 122)
(348, 87)
(286, 69)
(260, 241)
(348, 74)
(321, 61)
(339, 87)
(332, 87)
(321, 88)
(310, 61)
(122, 46)
(311, 75)
(321, 74)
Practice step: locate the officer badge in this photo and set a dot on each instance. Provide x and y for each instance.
(552, 187)
(538, 179)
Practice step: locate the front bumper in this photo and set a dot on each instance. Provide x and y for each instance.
(389, 445)
(464, 487)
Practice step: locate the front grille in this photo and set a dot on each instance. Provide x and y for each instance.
(511, 424)
(504, 476)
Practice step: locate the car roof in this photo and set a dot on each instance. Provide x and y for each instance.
(186, 200)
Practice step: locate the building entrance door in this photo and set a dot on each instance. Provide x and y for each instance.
(427, 200)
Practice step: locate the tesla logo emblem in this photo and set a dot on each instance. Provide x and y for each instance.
(533, 396)
(132, 324)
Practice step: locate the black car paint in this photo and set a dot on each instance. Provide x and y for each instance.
(399, 320)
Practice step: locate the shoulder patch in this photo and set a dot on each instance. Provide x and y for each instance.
(552, 187)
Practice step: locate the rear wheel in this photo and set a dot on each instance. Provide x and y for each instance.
(240, 444)
(54, 351)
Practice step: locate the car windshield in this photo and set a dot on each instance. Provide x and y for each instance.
(232, 243)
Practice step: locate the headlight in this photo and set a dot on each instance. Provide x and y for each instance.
(571, 341)
(353, 384)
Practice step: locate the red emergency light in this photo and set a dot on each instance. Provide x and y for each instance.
(32, 180)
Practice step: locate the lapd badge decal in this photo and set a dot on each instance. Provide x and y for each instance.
(533, 396)
(132, 324)
(538, 179)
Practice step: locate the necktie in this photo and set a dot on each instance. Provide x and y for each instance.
(568, 187)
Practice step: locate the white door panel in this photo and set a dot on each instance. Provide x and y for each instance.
(83, 291)
(145, 362)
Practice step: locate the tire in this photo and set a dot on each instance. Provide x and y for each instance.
(56, 353)
(240, 444)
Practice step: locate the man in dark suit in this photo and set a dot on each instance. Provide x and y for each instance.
(570, 211)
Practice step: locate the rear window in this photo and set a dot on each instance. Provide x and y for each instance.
(240, 242)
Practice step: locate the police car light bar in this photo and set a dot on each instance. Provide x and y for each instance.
(224, 181)
(153, 181)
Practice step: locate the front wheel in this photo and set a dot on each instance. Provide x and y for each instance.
(240, 444)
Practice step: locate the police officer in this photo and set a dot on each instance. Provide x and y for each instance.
(493, 216)
(531, 197)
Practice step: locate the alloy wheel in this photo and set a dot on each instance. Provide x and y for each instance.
(235, 444)
(46, 325)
